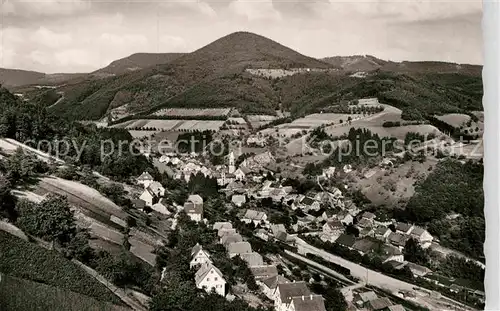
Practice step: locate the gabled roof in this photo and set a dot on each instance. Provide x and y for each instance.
(138, 203)
(231, 238)
(264, 271)
(417, 231)
(380, 303)
(418, 268)
(396, 308)
(253, 259)
(275, 228)
(204, 271)
(226, 231)
(364, 245)
(222, 224)
(364, 223)
(381, 230)
(287, 291)
(254, 215)
(307, 201)
(397, 238)
(195, 199)
(346, 240)
(156, 187)
(239, 248)
(309, 303)
(367, 296)
(145, 176)
(273, 281)
(401, 226)
(368, 215)
(335, 224)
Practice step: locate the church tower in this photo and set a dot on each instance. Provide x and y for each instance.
(232, 168)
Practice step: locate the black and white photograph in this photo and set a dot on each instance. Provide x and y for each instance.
(243, 155)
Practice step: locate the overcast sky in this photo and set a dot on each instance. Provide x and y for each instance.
(84, 35)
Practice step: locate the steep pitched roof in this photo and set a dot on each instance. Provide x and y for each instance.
(225, 231)
(156, 186)
(220, 225)
(239, 248)
(287, 291)
(195, 199)
(254, 215)
(145, 176)
(417, 231)
(380, 303)
(231, 238)
(367, 296)
(398, 238)
(253, 259)
(368, 215)
(196, 249)
(335, 224)
(364, 223)
(309, 303)
(192, 208)
(273, 281)
(264, 271)
(364, 245)
(346, 240)
(396, 308)
(204, 271)
(401, 226)
(307, 201)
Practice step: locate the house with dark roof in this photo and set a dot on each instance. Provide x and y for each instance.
(286, 291)
(268, 285)
(365, 246)
(381, 233)
(230, 238)
(397, 239)
(379, 303)
(145, 179)
(194, 211)
(208, 277)
(346, 240)
(199, 256)
(263, 272)
(332, 229)
(307, 303)
(423, 237)
(238, 248)
(404, 228)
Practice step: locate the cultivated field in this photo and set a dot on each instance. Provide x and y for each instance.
(214, 112)
(454, 119)
(32, 262)
(258, 120)
(171, 125)
(142, 134)
(21, 294)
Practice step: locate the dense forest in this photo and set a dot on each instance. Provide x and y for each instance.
(452, 188)
(106, 150)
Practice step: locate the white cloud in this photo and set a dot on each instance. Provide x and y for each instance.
(46, 37)
(28, 8)
(194, 7)
(255, 10)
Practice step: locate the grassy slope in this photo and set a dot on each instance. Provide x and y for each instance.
(20, 294)
(32, 262)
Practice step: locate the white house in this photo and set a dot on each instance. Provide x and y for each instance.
(286, 291)
(422, 236)
(268, 285)
(145, 179)
(222, 224)
(208, 277)
(157, 189)
(345, 217)
(255, 217)
(332, 229)
(199, 256)
(148, 197)
(238, 199)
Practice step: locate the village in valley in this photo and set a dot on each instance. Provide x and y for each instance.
(242, 176)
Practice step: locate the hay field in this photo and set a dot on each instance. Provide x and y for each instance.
(200, 125)
(454, 119)
(185, 112)
(142, 134)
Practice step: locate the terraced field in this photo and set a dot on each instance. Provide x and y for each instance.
(215, 112)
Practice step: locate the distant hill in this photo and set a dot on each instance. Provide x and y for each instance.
(16, 77)
(369, 63)
(215, 76)
(135, 62)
